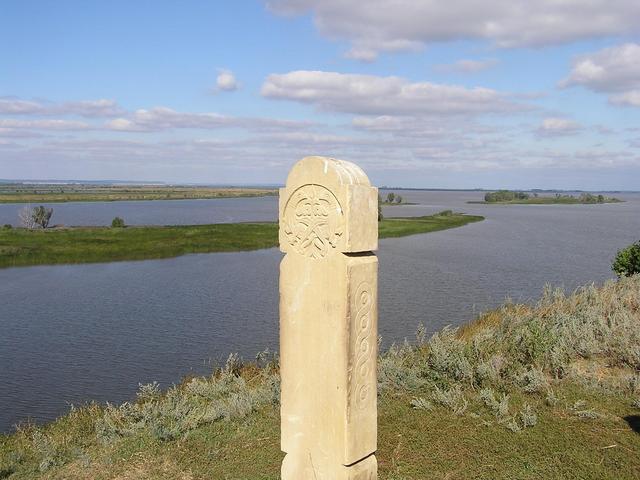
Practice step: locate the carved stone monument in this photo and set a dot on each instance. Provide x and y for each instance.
(328, 321)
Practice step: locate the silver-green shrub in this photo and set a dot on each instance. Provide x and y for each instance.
(421, 403)
(452, 398)
(223, 396)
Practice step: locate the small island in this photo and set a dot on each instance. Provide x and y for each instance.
(392, 199)
(524, 198)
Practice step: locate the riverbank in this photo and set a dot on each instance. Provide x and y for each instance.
(544, 391)
(20, 247)
(19, 193)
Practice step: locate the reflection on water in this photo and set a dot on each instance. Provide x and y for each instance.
(73, 333)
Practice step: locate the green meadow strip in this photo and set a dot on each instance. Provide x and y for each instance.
(20, 247)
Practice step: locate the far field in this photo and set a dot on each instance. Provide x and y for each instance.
(21, 247)
(32, 193)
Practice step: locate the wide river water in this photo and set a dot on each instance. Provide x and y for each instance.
(70, 334)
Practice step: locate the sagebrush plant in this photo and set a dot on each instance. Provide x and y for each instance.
(420, 403)
(452, 398)
(223, 396)
(47, 450)
(525, 349)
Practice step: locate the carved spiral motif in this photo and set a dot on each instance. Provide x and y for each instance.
(313, 221)
(364, 346)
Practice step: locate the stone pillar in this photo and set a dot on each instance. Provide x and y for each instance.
(328, 322)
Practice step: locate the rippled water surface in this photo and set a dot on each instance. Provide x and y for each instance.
(69, 334)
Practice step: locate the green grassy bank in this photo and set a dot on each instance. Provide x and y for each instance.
(550, 391)
(20, 247)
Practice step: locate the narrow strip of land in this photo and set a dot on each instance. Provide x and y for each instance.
(21, 247)
(547, 201)
(508, 197)
(84, 193)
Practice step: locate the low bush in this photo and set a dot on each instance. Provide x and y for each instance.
(627, 261)
(117, 223)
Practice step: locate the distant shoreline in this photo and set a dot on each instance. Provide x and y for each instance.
(544, 201)
(97, 193)
(506, 197)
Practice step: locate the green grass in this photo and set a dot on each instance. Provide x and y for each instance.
(401, 227)
(585, 397)
(20, 247)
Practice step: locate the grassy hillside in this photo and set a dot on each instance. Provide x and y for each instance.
(524, 392)
(20, 247)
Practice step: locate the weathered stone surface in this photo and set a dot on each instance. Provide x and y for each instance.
(328, 322)
(328, 206)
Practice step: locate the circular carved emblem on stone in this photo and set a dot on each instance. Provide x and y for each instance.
(313, 221)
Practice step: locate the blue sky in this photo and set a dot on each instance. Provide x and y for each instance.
(509, 93)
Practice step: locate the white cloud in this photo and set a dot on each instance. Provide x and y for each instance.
(630, 99)
(18, 133)
(44, 124)
(226, 81)
(15, 106)
(84, 108)
(555, 126)
(614, 70)
(163, 118)
(89, 108)
(381, 145)
(397, 126)
(431, 129)
(468, 66)
(392, 25)
(372, 95)
(362, 54)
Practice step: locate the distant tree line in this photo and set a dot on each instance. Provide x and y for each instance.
(393, 198)
(513, 195)
(505, 196)
(590, 198)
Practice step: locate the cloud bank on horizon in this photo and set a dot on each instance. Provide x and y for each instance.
(510, 93)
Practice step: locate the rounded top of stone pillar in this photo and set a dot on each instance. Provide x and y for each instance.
(328, 206)
(326, 171)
